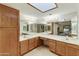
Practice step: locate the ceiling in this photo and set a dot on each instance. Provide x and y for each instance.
(32, 13)
(28, 10)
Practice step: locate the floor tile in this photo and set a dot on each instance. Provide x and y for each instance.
(40, 51)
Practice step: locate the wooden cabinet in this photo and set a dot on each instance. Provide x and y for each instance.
(45, 41)
(24, 46)
(40, 41)
(36, 42)
(31, 44)
(9, 31)
(58, 47)
(52, 45)
(9, 16)
(72, 50)
(8, 41)
(61, 48)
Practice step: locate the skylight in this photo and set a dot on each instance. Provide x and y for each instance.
(43, 7)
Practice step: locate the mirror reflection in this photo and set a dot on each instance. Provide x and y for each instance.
(66, 27)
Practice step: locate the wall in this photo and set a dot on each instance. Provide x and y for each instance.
(23, 23)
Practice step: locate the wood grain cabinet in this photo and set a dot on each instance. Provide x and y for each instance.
(9, 16)
(31, 44)
(52, 45)
(9, 31)
(72, 50)
(40, 41)
(45, 41)
(8, 41)
(60, 48)
(24, 46)
(36, 42)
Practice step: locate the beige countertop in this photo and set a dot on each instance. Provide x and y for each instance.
(54, 37)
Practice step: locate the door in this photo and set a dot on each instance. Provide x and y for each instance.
(9, 31)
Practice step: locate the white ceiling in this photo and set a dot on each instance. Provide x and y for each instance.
(28, 10)
(25, 9)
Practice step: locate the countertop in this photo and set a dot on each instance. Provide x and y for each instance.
(50, 36)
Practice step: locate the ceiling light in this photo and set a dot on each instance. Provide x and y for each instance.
(43, 7)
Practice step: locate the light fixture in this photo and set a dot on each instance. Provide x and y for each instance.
(43, 7)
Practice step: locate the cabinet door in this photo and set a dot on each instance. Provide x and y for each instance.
(45, 41)
(40, 42)
(36, 42)
(24, 46)
(72, 50)
(9, 16)
(60, 48)
(8, 41)
(52, 45)
(31, 44)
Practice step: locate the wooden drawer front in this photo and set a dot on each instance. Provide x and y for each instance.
(72, 50)
(31, 44)
(24, 47)
(61, 48)
(52, 45)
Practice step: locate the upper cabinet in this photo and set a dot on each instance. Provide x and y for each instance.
(8, 16)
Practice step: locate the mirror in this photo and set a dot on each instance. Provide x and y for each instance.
(67, 27)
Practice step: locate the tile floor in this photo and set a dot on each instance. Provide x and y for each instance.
(40, 51)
